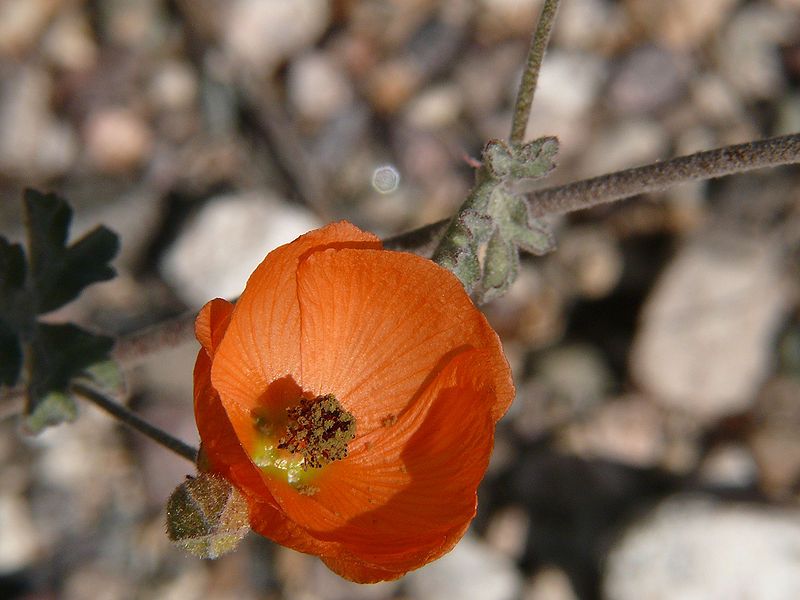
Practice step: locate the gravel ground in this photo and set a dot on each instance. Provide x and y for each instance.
(652, 451)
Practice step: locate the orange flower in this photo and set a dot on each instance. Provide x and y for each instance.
(351, 396)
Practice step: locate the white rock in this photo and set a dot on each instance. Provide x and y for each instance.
(587, 24)
(20, 541)
(697, 549)
(549, 583)
(630, 143)
(747, 52)
(69, 43)
(682, 24)
(34, 144)
(173, 86)
(317, 87)
(472, 571)
(704, 344)
(117, 140)
(435, 108)
(729, 466)
(567, 88)
(259, 34)
(21, 22)
(230, 236)
(626, 430)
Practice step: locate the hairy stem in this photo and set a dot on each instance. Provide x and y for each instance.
(527, 87)
(659, 176)
(134, 421)
(655, 177)
(132, 349)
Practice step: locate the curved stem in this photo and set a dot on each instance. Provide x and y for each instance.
(527, 87)
(134, 421)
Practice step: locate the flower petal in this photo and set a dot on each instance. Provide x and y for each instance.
(357, 569)
(377, 324)
(228, 459)
(262, 342)
(220, 445)
(384, 503)
(212, 322)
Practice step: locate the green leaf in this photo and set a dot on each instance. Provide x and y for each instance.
(12, 310)
(58, 353)
(60, 272)
(53, 408)
(12, 268)
(55, 273)
(533, 160)
(10, 355)
(526, 233)
(500, 267)
(106, 376)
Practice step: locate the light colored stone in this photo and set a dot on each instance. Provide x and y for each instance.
(567, 89)
(591, 259)
(716, 100)
(697, 549)
(648, 78)
(508, 531)
(436, 107)
(549, 583)
(629, 143)
(500, 19)
(317, 87)
(20, 541)
(69, 44)
(704, 344)
(748, 54)
(627, 430)
(173, 86)
(682, 24)
(471, 571)
(260, 34)
(225, 242)
(117, 140)
(318, 581)
(588, 24)
(575, 372)
(33, 144)
(729, 466)
(21, 22)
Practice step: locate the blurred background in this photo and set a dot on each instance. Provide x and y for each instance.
(653, 449)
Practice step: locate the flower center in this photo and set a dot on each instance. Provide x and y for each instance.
(315, 433)
(319, 430)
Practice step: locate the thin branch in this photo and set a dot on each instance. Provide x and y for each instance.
(132, 349)
(134, 421)
(659, 176)
(655, 177)
(527, 87)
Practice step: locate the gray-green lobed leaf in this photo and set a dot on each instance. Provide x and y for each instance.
(481, 246)
(51, 274)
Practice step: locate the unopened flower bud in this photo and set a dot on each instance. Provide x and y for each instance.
(207, 516)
